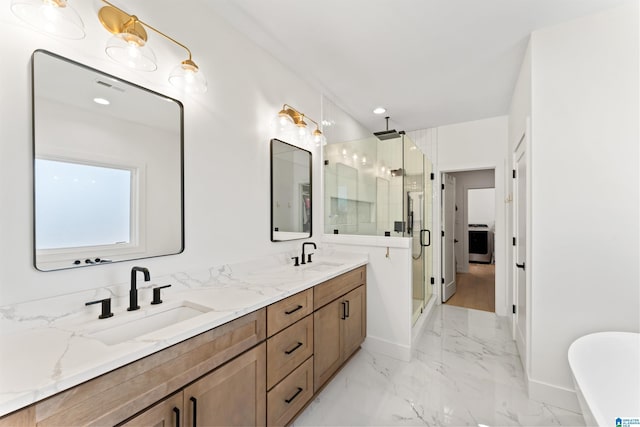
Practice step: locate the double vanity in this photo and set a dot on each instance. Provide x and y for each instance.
(248, 344)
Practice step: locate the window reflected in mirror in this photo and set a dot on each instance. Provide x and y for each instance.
(108, 167)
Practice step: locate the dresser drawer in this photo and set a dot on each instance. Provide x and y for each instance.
(289, 397)
(288, 311)
(288, 349)
(334, 288)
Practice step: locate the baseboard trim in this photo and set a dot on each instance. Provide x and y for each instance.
(378, 345)
(418, 328)
(560, 397)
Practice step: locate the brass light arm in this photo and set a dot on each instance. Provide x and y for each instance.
(135, 19)
(297, 116)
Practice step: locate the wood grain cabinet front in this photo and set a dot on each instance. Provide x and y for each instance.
(339, 329)
(288, 311)
(232, 395)
(288, 349)
(286, 399)
(167, 413)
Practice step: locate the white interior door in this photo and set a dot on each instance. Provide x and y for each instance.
(448, 235)
(520, 255)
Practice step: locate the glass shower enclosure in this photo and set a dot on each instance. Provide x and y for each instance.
(383, 188)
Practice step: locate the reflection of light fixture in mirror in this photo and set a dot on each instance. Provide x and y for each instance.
(55, 17)
(379, 110)
(101, 101)
(128, 46)
(290, 114)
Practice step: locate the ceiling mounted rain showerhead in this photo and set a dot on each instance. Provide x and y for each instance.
(383, 135)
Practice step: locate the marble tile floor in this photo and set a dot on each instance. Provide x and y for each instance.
(465, 370)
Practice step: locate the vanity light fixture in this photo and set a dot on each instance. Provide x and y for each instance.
(55, 17)
(288, 113)
(128, 46)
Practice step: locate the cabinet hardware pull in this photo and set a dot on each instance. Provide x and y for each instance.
(344, 310)
(289, 400)
(194, 401)
(177, 412)
(293, 311)
(347, 315)
(294, 348)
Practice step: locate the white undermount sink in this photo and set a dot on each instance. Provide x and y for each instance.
(139, 324)
(322, 266)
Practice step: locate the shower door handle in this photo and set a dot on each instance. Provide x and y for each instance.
(422, 237)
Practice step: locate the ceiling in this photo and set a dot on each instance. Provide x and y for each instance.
(428, 62)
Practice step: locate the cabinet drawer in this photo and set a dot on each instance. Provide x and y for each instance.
(288, 311)
(288, 349)
(289, 397)
(338, 286)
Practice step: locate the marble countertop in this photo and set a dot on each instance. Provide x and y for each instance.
(48, 346)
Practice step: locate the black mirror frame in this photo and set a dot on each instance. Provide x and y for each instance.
(271, 190)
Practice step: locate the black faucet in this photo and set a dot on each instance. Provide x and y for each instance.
(303, 260)
(133, 293)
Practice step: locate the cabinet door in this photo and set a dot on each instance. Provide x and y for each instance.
(167, 413)
(327, 351)
(232, 395)
(355, 324)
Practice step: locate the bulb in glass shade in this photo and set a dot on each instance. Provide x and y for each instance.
(187, 76)
(283, 128)
(132, 51)
(53, 17)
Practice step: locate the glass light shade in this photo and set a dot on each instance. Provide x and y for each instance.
(132, 51)
(54, 17)
(188, 77)
(319, 139)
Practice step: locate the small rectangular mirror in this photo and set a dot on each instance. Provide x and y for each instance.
(108, 167)
(290, 192)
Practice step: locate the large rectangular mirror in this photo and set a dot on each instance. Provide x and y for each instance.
(290, 192)
(108, 167)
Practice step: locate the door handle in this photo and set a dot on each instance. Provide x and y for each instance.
(293, 310)
(289, 400)
(194, 402)
(520, 265)
(297, 346)
(177, 412)
(422, 237)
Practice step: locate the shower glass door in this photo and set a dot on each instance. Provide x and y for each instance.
(414, 215)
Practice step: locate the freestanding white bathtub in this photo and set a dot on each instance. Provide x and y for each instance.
(606, 371)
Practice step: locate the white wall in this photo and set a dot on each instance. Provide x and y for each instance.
(389, 278)
(226, 144)
(584, 192)
(479, 144)
(481, 206)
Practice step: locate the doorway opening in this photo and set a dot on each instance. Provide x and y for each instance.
(473, 245)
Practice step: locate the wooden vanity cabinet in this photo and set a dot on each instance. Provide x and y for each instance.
(262, 368)
(340, 325)
(232, 395)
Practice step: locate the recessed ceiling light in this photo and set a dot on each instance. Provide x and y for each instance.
(101, 101)
(380, 110)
